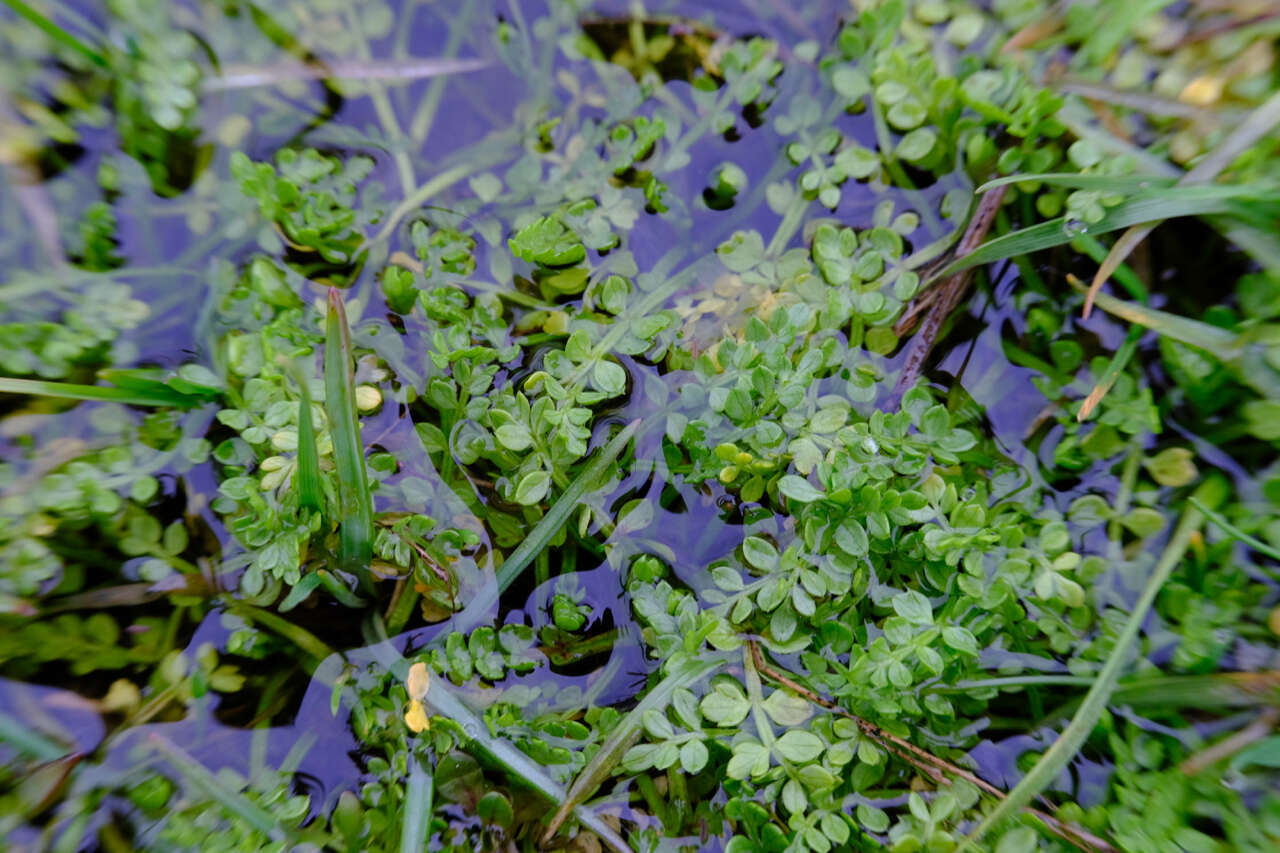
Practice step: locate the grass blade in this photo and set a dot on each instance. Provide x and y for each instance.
(233, 801)
(356, 513)
(1222, 344)
(559, 513)
(1109, 376)
(1123, 246)
(487, 747)
(1150, 207)
(55, 32)
(1236, 533)
(1213, 491)
(419, 799)
(25, 739)
(1253, 128)
(544, 530)
(307, 483)
(1075, 180)
(685, 673)
(160, 396)
(254, 76)
(299, 636)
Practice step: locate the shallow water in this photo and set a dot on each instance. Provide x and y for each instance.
(177, 248)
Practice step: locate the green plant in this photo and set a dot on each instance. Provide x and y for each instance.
(559, 456)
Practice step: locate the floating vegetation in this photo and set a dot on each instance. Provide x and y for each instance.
(515, 426)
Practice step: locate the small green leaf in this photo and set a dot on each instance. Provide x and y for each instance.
(726, 705)
(913, 607)
(547, 241)
(741, 252)
(514, 436)
(1174, 466)
(609, 377)
(799, 489)
(799, 746)
(917, 145)
(494, 807)
(787, 709)
(657, 725)
(960, 639)
(693, 756)
(532, 487)
(851, 537)
(759, 553)
(750, 759)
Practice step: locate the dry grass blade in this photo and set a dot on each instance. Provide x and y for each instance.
(1118, 362)
(252, 76)
(1223, 749)
(1222, 344)
(949, 292)
(1257, 125)
(354, 497)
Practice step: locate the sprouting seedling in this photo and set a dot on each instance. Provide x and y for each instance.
(356, 530)
(417, 682)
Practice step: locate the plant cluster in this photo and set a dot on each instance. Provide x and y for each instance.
(583, 474)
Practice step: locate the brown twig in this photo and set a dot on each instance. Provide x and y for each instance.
(1258, 729)
(947, 294)
(931, 765)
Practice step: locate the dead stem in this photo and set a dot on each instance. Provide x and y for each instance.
(947, 294)
(1258, 729)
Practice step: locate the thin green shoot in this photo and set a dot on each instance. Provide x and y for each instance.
(1150, 206)
(1257, 125)
(544, 531)
(338, 589)
(100, 393)
(55, 32)
(684, 673)
(354, 497)
(299, 636)
(198, 776)
(1212, 491)
(419, 799)
(313, 581)
(1077, 181)
(307, 482)
(27, 740)
(1235, 532)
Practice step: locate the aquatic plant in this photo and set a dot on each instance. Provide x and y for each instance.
(600, 430)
